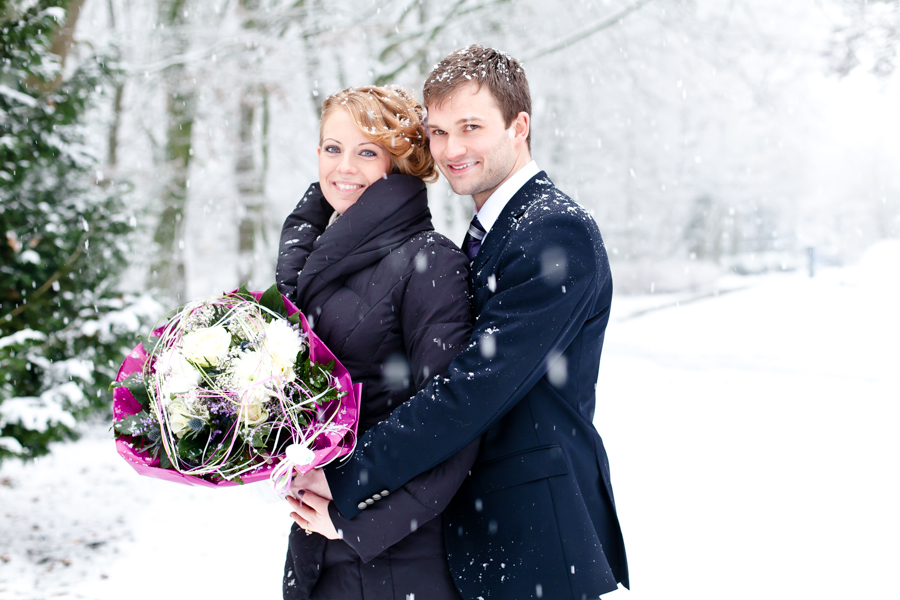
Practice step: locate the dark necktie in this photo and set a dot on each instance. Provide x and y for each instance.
(472, 241)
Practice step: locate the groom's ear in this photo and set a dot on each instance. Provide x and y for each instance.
(520, 127)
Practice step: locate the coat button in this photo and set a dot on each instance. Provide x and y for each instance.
(376, 496)
(384, 492)
(370, 502)
(362, 505)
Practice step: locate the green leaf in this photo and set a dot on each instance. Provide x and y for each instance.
(150, 340)
(259, 439)
(271, 299)
(134, 383)
(294, 318)
(164, 461)
(303, 369)
(133, 425)
(191, 447)
(244, 293)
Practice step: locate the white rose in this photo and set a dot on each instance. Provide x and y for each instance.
(253, 414)
(178, 375)
(206, 347)
(283, 343)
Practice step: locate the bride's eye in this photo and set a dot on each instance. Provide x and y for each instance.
(368, 153)
(332, 150)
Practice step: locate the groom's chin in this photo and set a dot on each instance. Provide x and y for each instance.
(462, 185)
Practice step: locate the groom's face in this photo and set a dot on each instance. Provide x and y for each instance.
(471, 144)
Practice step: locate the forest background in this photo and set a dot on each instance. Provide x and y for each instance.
(151, 149)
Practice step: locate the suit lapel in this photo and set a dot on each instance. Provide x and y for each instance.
(514, 209)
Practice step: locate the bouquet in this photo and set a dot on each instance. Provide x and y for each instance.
(235, 389)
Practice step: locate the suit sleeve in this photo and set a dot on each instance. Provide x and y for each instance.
(420, 500)
(300, 231)
(532, 315)
(436, 320)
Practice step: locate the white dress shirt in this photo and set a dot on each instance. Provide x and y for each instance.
(493, 206)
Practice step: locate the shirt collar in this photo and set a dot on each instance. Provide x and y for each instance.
(494, 205)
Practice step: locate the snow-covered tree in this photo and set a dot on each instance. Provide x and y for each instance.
(63, 324)
(867, 37)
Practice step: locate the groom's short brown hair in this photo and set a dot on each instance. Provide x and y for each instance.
(500, 72)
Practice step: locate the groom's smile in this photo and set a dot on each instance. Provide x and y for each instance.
(461, 167)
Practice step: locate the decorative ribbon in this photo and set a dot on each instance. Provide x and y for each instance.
(294, 455)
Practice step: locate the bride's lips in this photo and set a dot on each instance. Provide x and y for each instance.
(347, 187)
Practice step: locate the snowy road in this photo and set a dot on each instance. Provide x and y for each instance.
(753, 441)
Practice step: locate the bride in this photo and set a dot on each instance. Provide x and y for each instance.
(389, 296)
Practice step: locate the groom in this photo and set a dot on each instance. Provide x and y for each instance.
(536, 517)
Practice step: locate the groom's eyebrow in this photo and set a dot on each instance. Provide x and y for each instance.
(462, 121)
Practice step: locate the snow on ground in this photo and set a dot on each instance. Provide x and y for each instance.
(81, 524)
(752, 439)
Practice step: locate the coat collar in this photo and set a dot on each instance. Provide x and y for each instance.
(387, 214)
(511, 213)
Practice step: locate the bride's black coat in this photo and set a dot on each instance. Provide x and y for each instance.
(389, 297)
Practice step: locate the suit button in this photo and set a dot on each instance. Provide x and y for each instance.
(376, 496)
(362, 505)
(384, 492)
(370, 502)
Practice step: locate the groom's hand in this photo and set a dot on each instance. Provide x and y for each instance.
(311, 515)
(314, 481)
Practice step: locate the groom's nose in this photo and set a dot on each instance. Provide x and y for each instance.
(455, 148)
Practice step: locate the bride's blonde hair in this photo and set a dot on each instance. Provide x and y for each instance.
(392, 117)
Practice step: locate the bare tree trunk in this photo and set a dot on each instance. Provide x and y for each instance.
(112, 155)
(251, 165)
(250, 174)
(631, 236)
(313, 64)
(112, 147)
(167, 273)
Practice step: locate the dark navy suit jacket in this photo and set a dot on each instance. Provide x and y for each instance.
(536, 518)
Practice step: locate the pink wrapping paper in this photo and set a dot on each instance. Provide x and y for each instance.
(327, 447)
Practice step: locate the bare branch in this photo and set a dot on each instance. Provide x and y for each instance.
(53, 278)
(588, 32)
(429, 32)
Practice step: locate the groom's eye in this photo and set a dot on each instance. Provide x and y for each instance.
(471, 127)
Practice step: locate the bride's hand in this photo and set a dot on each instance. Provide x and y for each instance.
(314, 481)
(311, 514)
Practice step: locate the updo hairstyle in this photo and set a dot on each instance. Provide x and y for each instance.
(392, 117)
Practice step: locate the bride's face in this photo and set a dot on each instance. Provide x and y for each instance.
(349, 162)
